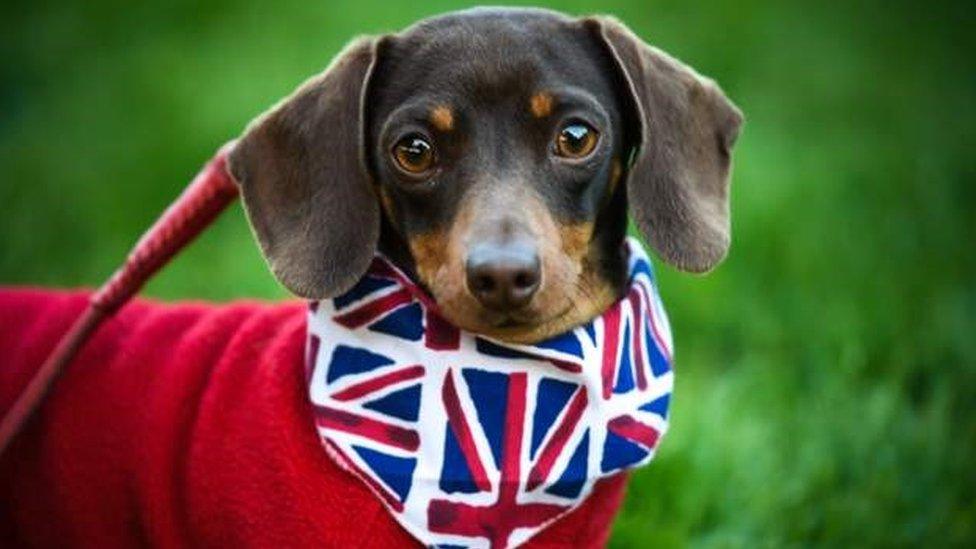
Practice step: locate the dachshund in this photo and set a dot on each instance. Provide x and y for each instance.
(493, 155)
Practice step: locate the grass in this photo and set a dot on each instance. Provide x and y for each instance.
(826, 387)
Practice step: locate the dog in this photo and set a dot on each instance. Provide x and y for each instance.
(496, 142)
(493, 156)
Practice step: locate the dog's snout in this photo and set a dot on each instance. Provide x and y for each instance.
(503, 277)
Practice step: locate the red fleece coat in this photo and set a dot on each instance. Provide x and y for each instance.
(188, 424)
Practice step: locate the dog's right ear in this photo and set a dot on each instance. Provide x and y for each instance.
(304, 183)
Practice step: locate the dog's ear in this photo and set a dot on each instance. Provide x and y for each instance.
(304, 182)
(678, 185)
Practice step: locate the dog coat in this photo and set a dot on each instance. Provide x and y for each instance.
(219, 425)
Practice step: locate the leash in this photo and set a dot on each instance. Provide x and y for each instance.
(209, 194)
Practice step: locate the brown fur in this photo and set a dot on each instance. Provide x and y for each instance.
(540, 104)
(442, 118)
(615, 172)
(571, 291)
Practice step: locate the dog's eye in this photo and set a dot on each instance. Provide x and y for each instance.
(576, 140)
(414, 154)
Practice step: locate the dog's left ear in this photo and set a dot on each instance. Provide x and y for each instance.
(678, 186)
(304, 182)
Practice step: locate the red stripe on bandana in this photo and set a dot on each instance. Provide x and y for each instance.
(374, 309)
(637, 337)
(456, 419)
(439, 334)
(498, 520)
(355, 424)
(372, 385)
(611, 336)
(631, 429)
(558, 441)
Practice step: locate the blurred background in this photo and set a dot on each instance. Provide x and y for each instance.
(826, 373)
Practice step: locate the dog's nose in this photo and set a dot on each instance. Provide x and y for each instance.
(503, 277)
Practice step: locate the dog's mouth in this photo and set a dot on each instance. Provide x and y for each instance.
(510, 323)
(514, 323)
(518, 326)
(527, 320)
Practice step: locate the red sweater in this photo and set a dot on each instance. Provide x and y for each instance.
(189, 424)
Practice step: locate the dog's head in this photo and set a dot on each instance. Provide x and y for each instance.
(493, 154)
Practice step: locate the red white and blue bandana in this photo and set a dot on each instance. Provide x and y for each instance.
(477, 443)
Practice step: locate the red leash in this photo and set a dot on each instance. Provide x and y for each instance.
(210, 192)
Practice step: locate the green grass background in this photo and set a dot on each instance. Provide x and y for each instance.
(826, 374)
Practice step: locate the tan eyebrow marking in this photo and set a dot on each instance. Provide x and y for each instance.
(615, 172)
(541, 104)
(442, 117)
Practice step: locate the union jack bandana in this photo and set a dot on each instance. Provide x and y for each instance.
(472, 442)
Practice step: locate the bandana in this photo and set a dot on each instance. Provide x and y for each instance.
(473, 442)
